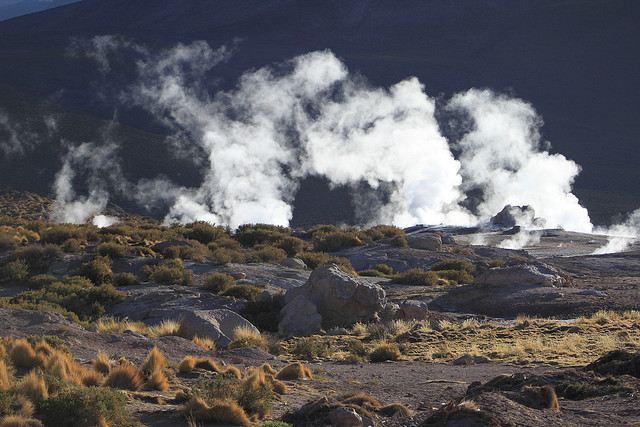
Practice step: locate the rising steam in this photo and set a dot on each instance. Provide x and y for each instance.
(310, 117)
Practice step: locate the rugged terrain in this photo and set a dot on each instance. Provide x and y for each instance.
(470, 352)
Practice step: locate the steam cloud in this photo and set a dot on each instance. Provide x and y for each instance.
(310, 117)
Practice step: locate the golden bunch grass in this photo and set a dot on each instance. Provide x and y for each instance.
(165, 328)
(187, 364)
(155, 362)
(92, 378)
(23, 355)
(63, 366)
(233, 372)
(158, 381)
(3, 351)
(215, 411)
(111, 325)
(6, 379)
(124, 377)
(294, 371)
(207, 364)
(101, 363)
(33, 387)
(268, 369)
(204, 342)
(244, 331)
(19, 421)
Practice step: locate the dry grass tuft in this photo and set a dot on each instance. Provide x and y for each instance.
(101, 363)
(364, 401)
(158, 381)
(23, 355)
(384, 352)
(216, 412)
(208, 364)
(125, 377)
(33, 387)
(62, 365)
(167, 327)
(294, 371)
(19, 421)
(254, 379)
(233, 372)
(268, 369)
(242, 332)
(396, 410)
(204, 342)
(92, 379)
(6, 378)
(155, 362)
(111, 325)
(187, 364)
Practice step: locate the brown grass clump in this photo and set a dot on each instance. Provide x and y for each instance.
(254, 379)
(268, 369)
(155, 362)
(6, 379)
(23, 355)
(167, 327)
(33, 387)
(204, 342)
(233, 372)
(3, 351)
(19, 421)
(208, 364)
(158, 381)
(363, 400)
(124, 377)
(395, 410)
(101, 363)
(217, 412)
(18, 405)
(384, 352)
(91, 379)
(62, 365)
(187, 364)
(541, 397)
(294, 371)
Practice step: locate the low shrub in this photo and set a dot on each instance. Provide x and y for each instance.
(171, 272)
(204, 232)
(335, 240)
(315, 260)
(384, 352)
(454, 264)
(253, 234)
(311, 348)
(14, 271)
(112, 250)
(85, 407)
(37, 257)
(399, 241)
(217, 283)
(496, 263)
(417, 277)
(60, 233)
(455, 276)
(266, 253)
(248, 292)
(98, 270)
(292, 245)
(72, 245)
(41, 280)
(125, 279)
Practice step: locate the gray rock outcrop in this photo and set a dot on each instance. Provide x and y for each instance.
(219, 325)
(413, 310)
(428, 241)
(341, 298)
(299, 317)
(523, 274)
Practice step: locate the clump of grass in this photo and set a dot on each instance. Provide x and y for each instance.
(232, 372)
(187, 364)
(268, 369)
(155, 362)
(6, 376)
(244, 291)
(112, 250)
(158, 381)
(266, 253)
(315, 260)
(205, 343)
(294, 371)
(63, 366)
(384, 353)
(14, 271)
(33, 387)
(207, 364)
(215, 411)
(23, 355)
(98, 270)
(112, 325)
(92, 379)
(168, 327)
(124, 377)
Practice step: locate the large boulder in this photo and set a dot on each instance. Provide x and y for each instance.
(219, 325)
(511, 216)
(524, 274)
(413, 310)
(341, 299)
(299, 317)
(428, 241)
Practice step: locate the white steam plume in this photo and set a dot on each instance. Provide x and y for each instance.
(621, 236)
(309, 116)
(502, 156)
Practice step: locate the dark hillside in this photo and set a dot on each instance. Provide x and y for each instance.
(576, 62)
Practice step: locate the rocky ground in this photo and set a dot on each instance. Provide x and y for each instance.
(439, 391)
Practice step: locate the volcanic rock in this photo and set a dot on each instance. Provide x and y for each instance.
(341, 298)
(300, 317)
(413, 310)
(523, 274)
(428, 241)
(219, 325)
